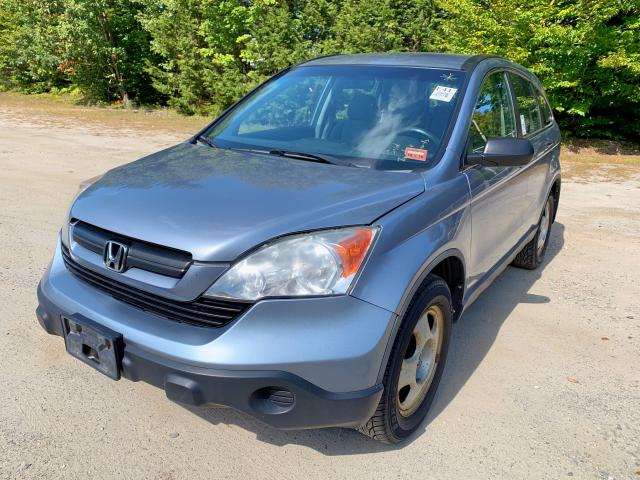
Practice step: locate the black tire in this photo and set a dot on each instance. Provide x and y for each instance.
(387, 424)
(531, 256)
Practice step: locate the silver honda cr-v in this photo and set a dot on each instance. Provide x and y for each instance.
(303, 257)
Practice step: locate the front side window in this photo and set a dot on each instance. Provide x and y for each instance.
(291, 107)
(493, 115)
(525, 93)
(381, 117)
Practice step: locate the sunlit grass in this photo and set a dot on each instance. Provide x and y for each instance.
(67, 107)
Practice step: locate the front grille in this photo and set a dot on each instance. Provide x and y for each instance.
(143, 255)
(204, 312)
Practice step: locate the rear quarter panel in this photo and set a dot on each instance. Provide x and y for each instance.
(546, 169)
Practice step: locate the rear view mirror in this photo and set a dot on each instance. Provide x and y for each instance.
(503, 152)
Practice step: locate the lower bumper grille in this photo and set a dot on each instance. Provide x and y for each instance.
(202, 312)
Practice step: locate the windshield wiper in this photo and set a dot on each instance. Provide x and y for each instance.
(310, 157)
(302, 156)
(206, 140)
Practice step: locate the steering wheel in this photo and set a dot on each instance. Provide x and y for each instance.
(427, 135)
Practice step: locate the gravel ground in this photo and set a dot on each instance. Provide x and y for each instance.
(543, 379)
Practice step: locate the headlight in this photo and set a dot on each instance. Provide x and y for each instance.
(318, 263)
(81, 188)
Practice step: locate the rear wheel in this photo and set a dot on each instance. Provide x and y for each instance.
(532, 255)
(415, 365)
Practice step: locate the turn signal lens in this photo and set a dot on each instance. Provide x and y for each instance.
(353, 250)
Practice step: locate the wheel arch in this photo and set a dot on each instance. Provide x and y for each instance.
(555, 191)
(451, 267)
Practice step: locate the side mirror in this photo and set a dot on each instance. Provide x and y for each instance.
(503, 152)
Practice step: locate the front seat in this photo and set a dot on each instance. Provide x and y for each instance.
(362, 115)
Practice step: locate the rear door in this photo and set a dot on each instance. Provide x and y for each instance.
(535, 122)
(498, 194)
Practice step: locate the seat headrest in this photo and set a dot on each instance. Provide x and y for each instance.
(362, 107)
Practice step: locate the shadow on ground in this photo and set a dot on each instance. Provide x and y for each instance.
(473, 336)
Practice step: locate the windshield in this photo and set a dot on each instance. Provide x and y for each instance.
(374, 116)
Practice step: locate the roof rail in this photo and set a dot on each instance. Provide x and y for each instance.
(321, 56)
(471, 62)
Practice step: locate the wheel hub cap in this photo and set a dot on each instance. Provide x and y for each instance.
(544, 228)
(420, 360)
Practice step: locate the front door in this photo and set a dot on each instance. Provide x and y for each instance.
(498, 194)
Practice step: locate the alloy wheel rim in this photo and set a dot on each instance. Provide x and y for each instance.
(420, 360)
(544, 228)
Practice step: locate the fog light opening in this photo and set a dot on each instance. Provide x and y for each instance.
(272, 400)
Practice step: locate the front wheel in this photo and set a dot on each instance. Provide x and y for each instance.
(415, 365)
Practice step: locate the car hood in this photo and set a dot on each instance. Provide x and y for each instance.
(217, 204)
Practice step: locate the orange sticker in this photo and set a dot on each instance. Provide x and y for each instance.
(415, 154)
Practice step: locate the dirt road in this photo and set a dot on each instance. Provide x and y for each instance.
(543, 379)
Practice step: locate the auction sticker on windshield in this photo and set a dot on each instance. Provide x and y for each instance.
(419, 154)
(444, 94)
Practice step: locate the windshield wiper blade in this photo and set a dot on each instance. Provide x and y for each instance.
(302, 156)
(206, 140)
(249, 150)
(311, 157)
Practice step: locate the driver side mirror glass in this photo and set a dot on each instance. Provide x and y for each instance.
(503, 152)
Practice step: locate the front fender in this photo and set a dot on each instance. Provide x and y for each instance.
(412, 238)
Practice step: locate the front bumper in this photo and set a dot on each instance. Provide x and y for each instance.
(291, 363)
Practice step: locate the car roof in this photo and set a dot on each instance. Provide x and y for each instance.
(449, 61)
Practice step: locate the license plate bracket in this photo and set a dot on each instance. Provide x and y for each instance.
(94, 344)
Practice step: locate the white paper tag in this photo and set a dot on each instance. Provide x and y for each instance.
(444, 94)
(523, 124)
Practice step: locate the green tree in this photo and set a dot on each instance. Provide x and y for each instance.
(586, 53)
(106, 49)
(281, 33)
(382, 26)
(199, 44)
(30, 45)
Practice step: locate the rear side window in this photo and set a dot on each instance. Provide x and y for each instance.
(545, 109)
(493, 114)
(526, 96)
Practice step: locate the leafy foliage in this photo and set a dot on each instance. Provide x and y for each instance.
(586, 53)
(199, 56)
(200, 46)
(105, 49)
(30, 57)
